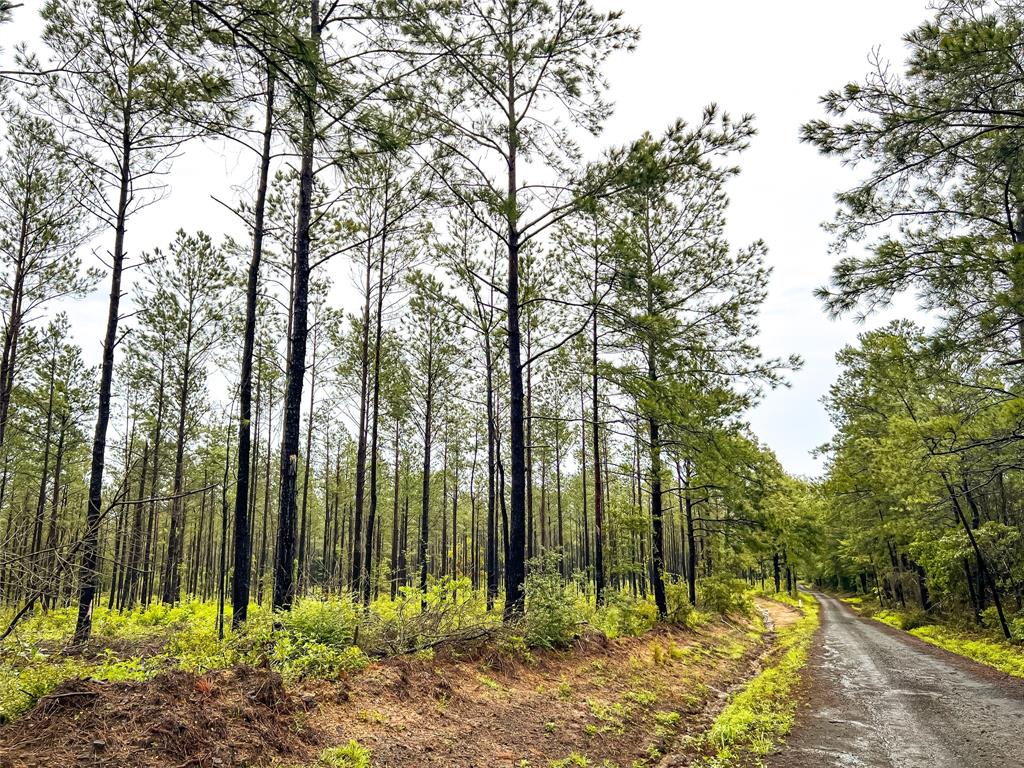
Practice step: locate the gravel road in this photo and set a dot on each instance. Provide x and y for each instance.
(878, 698)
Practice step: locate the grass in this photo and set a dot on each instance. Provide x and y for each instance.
(756, 718)
(1000, 655)
(351, 755)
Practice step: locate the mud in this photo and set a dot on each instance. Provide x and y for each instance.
(878, 698)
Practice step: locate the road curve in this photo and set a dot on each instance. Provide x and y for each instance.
(878, 698)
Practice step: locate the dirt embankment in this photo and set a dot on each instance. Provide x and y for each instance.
(622, 701)
(238, 716)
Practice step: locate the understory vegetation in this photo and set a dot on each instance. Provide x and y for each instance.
(755, 720)
(326, 639)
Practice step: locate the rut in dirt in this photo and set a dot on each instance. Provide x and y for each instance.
(879, 698)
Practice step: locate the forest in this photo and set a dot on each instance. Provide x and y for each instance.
(473, 386)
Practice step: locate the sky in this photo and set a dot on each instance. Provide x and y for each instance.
(749, 56)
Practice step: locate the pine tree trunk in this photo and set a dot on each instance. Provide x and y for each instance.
(421, 550)
(395, 531)
(375, 405)
(89, 575)
(307, 467)
(284, 552)
(599, 579)
(240, 584)
(176, 535)
(364, 376)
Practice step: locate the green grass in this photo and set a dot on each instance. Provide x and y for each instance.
(1001, 655)
(756, 718)
(351, 755)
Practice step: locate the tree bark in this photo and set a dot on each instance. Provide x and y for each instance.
(90, 542)
(284, 553)
(240, 584)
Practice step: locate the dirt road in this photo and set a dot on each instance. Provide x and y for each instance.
(878, 698)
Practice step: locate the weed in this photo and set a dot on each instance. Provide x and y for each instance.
(351, 755)
(644, 698)
(564, 690)
(658, 653)
(574, 760)
(985, 649)
(490, 682)
(612, 715)
(675, 652)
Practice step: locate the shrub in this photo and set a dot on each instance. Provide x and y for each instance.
(624, 615)
(914, 620)
(454, 614)
(551, 620)
(1017, 629)
(724, 596)
(299, 658)
(329, 622)
(681, 611)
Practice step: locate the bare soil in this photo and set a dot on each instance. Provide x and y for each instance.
(238, 716)
(607, 700)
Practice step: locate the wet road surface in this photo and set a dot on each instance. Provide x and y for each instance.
(878, 698)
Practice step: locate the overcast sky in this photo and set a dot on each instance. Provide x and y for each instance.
(771, 59)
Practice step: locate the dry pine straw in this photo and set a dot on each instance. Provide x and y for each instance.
(608, 700)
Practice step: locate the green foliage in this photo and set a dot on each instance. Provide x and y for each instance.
(623, 615)
(756, 718)
(330, 622)
(994, 653)
(551, 620)
(317, 639)
(724, 596)
(680, 611)
(300, 658)
(989, 649)
(573, 760)
(351, 755)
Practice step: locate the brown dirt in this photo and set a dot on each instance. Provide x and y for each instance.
(601, 700)
(782, 615)
(609, 700)
(239, 716)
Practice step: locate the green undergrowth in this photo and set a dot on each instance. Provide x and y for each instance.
(351, 755)
(984, 648)
(756, 718)
(326, 637)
